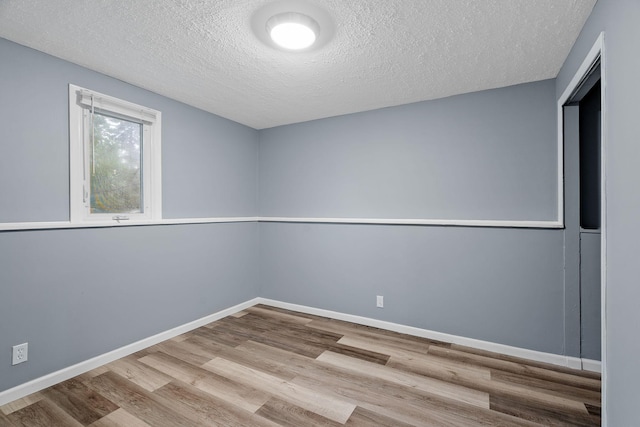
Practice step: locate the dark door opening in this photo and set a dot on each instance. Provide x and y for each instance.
(583, 223)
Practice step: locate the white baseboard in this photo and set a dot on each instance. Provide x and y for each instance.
(538, 356)
(53, 378)
(592, 365)
(80, 368)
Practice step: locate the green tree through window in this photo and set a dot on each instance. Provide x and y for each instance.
(115, 165)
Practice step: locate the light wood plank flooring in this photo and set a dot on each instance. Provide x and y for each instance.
(271, 367)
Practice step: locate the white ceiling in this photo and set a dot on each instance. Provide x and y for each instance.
(382, 52)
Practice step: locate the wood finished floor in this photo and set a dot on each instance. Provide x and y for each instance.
(271, 367)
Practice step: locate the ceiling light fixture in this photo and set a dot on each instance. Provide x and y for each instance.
(293, 31)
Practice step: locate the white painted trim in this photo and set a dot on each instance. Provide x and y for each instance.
(572, 362)
(603, 225)
(208, 220)
(76, 157)
(560, 168)
(155, 165)
(7, 226)
(436, 222)
(64, 374)
(592, 365)
(538, 356)
(589, 60)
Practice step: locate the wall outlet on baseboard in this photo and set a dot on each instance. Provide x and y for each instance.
(379, 301)
(20, 353)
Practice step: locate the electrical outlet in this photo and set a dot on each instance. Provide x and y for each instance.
(379, 301)
(20, 353)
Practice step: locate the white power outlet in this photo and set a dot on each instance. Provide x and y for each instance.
(379, 301)
(20, 353)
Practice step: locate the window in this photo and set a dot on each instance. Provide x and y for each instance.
(114, 158)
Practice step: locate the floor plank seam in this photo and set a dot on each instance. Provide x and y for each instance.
(267, 366)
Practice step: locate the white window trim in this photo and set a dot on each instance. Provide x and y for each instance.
(80, 101)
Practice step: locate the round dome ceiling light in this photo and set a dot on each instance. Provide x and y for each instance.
(293, 31)
(292, 26)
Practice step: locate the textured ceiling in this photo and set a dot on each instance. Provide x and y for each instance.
(381, 53)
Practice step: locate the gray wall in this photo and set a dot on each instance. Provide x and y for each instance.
(486, 155)
(499, 285)
(619, 19)
(74, 294)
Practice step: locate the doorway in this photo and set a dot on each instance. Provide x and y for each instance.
(583, 225)
(581, 123)
(582, 117)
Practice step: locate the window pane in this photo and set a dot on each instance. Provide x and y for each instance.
(115, 165)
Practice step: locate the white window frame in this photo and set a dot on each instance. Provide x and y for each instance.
(81, 103)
